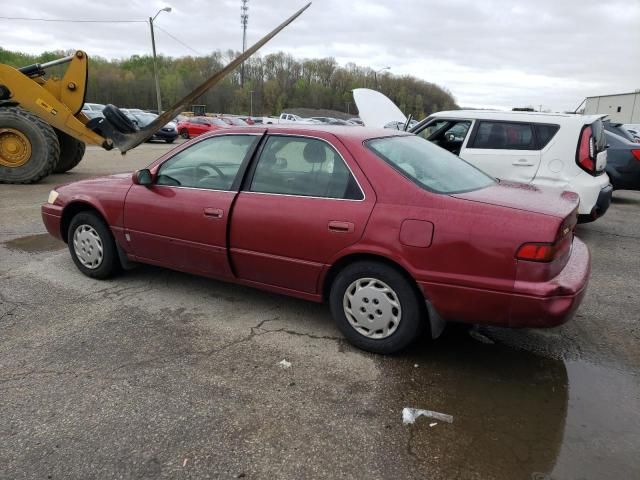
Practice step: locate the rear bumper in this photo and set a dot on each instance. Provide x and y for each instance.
(51, 217)
(531, 304)
(554, 302)
(600, 208)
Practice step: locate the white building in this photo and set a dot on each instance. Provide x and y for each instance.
(623, 107)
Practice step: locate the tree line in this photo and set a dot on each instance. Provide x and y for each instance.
(272, 83)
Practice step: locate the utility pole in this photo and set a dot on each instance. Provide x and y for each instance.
(155, 61)
(244, 21)
(251, 107)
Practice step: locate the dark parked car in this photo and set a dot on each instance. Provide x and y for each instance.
(623, 162)
(395, 233)
(618, 129)
(167, 133)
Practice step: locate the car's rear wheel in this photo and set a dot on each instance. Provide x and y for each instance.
(184, 133)
(92, 246)
(376, 307)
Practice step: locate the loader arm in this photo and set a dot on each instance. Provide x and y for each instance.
(56, 101)
(59, 101)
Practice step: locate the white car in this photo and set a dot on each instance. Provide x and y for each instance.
(558, 150)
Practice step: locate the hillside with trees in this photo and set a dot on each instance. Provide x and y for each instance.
(278, 82)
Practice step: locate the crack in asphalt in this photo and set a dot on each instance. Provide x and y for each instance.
(255, 331)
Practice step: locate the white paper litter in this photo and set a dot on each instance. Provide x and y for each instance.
(433, 424)
(415, 365)
(284, 364)
(409, 415)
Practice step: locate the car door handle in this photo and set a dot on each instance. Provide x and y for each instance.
(341, 227)
(522, 163)
(213, 212)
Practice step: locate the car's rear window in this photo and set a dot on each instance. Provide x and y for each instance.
(429, 166)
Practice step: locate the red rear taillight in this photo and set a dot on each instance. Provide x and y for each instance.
(547, 252)
(536, 252)
(636, 153)
(586, 154)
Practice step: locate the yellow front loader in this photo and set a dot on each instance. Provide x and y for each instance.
(43, 129)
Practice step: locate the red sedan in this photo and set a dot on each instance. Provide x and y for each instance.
(193, 126)
(397, 234)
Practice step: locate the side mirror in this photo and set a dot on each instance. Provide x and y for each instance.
(142, 177)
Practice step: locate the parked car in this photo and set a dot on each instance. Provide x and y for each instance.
(356, 121)
(633, 129)
(545, 149)
(623, 162)
(92, 110)
(168, 133)
(194, 126)
(230, 120)
(288, 118)
(388, 228)
(618, 129)
(330, 121)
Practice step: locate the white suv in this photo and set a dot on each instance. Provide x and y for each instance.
(560, 150)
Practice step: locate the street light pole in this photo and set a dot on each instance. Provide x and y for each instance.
(155, 61)
(375, 74)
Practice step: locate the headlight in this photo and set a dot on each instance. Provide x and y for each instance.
(53, 195)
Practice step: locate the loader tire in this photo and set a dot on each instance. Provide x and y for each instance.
(29, 148)
(71, 152)
(118, 119)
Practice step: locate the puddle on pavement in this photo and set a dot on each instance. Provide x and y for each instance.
(516, 414)
(35, 243)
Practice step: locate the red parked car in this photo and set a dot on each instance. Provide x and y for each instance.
(397, 234)
(194, 126)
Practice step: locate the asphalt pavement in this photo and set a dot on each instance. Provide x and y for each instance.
(159, 374)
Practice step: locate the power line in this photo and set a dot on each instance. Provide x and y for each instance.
(178, 40)
(70, 20)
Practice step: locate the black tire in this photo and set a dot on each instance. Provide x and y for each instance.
(413, 315)
(118, 119)
(109, 264)
(71, 152)
(45, 149)
(184, 133)
(170, 140)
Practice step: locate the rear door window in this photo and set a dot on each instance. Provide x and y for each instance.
(303, 166)
(504, 136)
(544, 134)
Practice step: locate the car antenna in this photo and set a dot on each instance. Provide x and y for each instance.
(406, 125)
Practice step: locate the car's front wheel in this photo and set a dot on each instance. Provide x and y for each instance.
(184, 133)
(376, 307)
(92, 246)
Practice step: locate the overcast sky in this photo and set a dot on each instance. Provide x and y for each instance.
(487, 53)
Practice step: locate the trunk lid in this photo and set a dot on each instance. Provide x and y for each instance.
(526, 197)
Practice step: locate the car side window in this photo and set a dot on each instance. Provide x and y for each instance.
(211, 164)
(504, 136)
(303, 166)
(448, 134)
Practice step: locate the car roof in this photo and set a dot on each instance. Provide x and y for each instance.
(358, 134)
(536, 117)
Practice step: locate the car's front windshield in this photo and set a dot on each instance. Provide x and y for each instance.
(429, 166)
